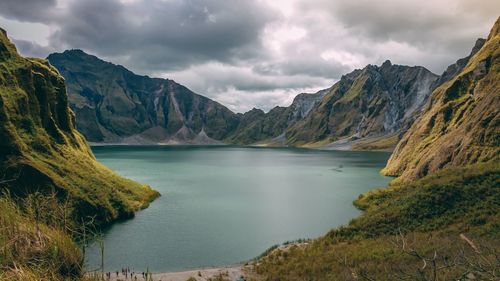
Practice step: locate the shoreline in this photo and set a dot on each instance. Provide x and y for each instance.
(233, 272)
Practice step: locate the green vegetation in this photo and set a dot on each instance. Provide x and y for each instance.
(384, 143)
(112, 103)
(440, 220)
(462, 125)
(43, 156)
(40, 150)
(376, 101)
(439, 213)
(34, 240)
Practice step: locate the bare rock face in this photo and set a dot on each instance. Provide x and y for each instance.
(269, 128)
(455, 69)
(112, 104)
(461, 123)
(374, 101)
(369, 108)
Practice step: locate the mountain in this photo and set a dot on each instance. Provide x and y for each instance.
(376, 102)
(112, 104)
(269, 128)
(41, 151)
(53, 191)
(461, 123)
(439, 219)
(454, 69)
(367, 109)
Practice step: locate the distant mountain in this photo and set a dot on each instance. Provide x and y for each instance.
(368, 109)
(373, 105)
(112, 104)
(442, 207)
(461, 124)
(257, 127)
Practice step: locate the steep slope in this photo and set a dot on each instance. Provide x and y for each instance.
(374, 101)
(441, 227)
(455, 69)
(439, 223)
(40, 150)
(461, 123)
(112, 104)
(268, 128)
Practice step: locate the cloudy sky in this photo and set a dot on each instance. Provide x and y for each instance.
(252, 53)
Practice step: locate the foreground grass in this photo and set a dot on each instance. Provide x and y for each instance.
(442, 227)
(47, 163)
(34, 245)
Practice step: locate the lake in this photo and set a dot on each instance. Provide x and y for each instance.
(222, 205)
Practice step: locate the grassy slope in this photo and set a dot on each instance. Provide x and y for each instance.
(42, 153)
(461, 124)
(32, 250)
(431, 212)
(442, 225)
(41, 150)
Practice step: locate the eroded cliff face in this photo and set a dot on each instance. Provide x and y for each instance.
(40, 150)
(257, 127)
(461, 123)
(373, 101)
(368, 109)
(112, 104)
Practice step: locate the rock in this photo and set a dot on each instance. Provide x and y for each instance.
(461, 124)
(112, 104)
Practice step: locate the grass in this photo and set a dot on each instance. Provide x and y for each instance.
(55, 190)
(449, 220)
(385, 143)
(461, 126)
(31, 249)
(41, 151)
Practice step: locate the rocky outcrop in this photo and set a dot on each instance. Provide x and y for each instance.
(374, 101)
(461, 122)
(455, 69)
(40, 150)
(367, 109)
(114, 105)
(257, 127)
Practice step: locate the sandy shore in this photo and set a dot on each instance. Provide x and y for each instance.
(202, 274)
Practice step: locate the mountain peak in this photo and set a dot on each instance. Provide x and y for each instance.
(7, 49)
(495, 31)
(477, 46)
(387, 63)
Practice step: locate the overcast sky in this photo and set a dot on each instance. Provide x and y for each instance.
(252, 53)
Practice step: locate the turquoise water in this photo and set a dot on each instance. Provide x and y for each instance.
(224, 205)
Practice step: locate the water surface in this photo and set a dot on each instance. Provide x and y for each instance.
(224, 205)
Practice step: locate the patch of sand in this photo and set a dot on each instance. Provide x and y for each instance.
(202, 274)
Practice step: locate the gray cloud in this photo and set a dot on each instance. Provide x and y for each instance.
(254, 53)
(165, 34)
(28, 10)
(32, 48)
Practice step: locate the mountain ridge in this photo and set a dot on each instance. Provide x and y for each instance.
(40, 150)
(461, 122)
(158, 111)
(115, 104)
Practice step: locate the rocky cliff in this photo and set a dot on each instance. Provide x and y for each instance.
(257, 127)
(376, 101)
(461, 123)
(40, 150)
(367, 109)
(112, 104)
